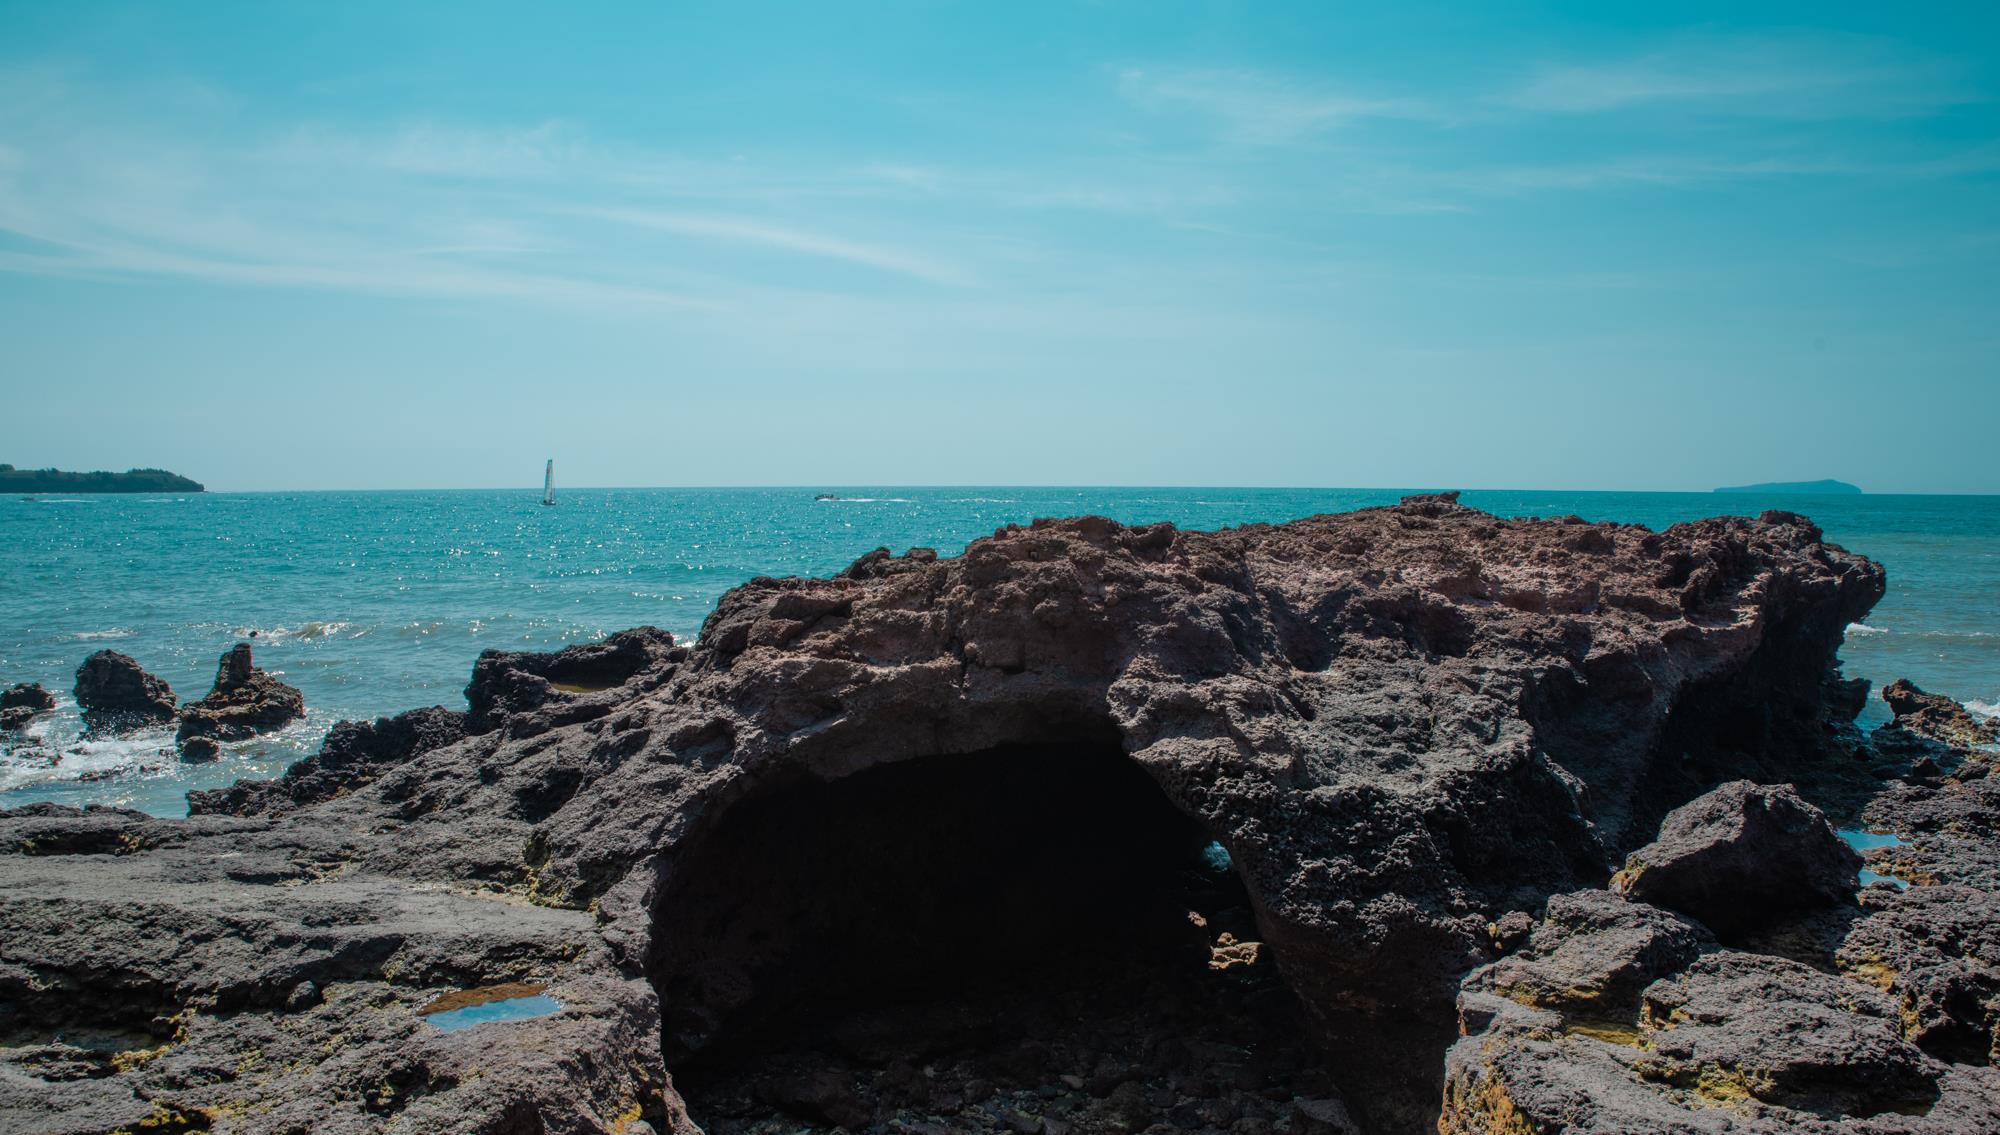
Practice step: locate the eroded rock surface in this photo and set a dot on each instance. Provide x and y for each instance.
(29, 696)
(1742, 856)
(116, 693)
(1405, 726)
(244, 702)
(1878, 1012)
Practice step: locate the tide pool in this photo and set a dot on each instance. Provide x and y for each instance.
(493, 1012)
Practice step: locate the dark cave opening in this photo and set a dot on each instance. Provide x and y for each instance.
(965, 940)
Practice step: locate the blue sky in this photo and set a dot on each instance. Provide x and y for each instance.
(1561, 246)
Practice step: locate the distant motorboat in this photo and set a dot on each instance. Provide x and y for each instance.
(826, 497)
(549, 483)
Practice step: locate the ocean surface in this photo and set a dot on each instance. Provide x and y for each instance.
(376, 602)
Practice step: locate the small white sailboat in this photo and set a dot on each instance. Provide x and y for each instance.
(549, 483)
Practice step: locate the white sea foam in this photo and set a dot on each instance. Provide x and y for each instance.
(304, 632)
(84, 759)
(93, 636)
(309, 631)
(1984, 708)
(1863, 629)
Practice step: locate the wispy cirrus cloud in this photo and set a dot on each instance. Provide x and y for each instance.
(1814, 75)
(434, 148)
(1262, 108)
(765, 234)
(100, 188)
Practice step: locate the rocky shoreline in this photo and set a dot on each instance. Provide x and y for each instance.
(116, 695)
(1400, 820)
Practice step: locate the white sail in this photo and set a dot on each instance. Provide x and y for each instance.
(549, 483)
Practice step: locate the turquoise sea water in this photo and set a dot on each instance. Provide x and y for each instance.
(512, 1009)
(372, 603)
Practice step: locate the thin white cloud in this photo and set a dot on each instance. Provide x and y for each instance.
(749, 230)
(1792, 76)
(438, 149)
(96, 186)
(1260, 108)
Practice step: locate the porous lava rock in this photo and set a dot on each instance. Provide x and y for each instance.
(244, 702)
(508, 686)
(1933, 727)
(117, 694)
(1740, 856)
(29, 696)
(200, 750)
(22, 703)
(1880, 1016)
(1592, 956)
(1400, 724)
(354, 753)
(1732, 1042)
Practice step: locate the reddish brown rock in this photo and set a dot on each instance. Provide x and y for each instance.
(1401, 724)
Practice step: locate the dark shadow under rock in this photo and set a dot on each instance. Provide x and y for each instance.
(1010, 941)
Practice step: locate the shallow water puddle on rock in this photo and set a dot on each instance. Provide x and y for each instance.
(512, 1009)
(1867, 841)
(514, 1001)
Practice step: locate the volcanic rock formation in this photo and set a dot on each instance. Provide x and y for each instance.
(1931, 724)
(27, 695)
(781, 865)
(1742, 856)
(1878, 1014)
(21, 702)
(116, 693)
(244, 702)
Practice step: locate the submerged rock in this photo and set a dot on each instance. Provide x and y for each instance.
(244, 702)
(200, 750)
(117, 694)
(1742, 856)
(1401, 724)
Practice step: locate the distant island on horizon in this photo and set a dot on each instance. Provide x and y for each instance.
(14, 480)
(1827, 488)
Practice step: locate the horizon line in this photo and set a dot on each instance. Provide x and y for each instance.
(827, 487)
